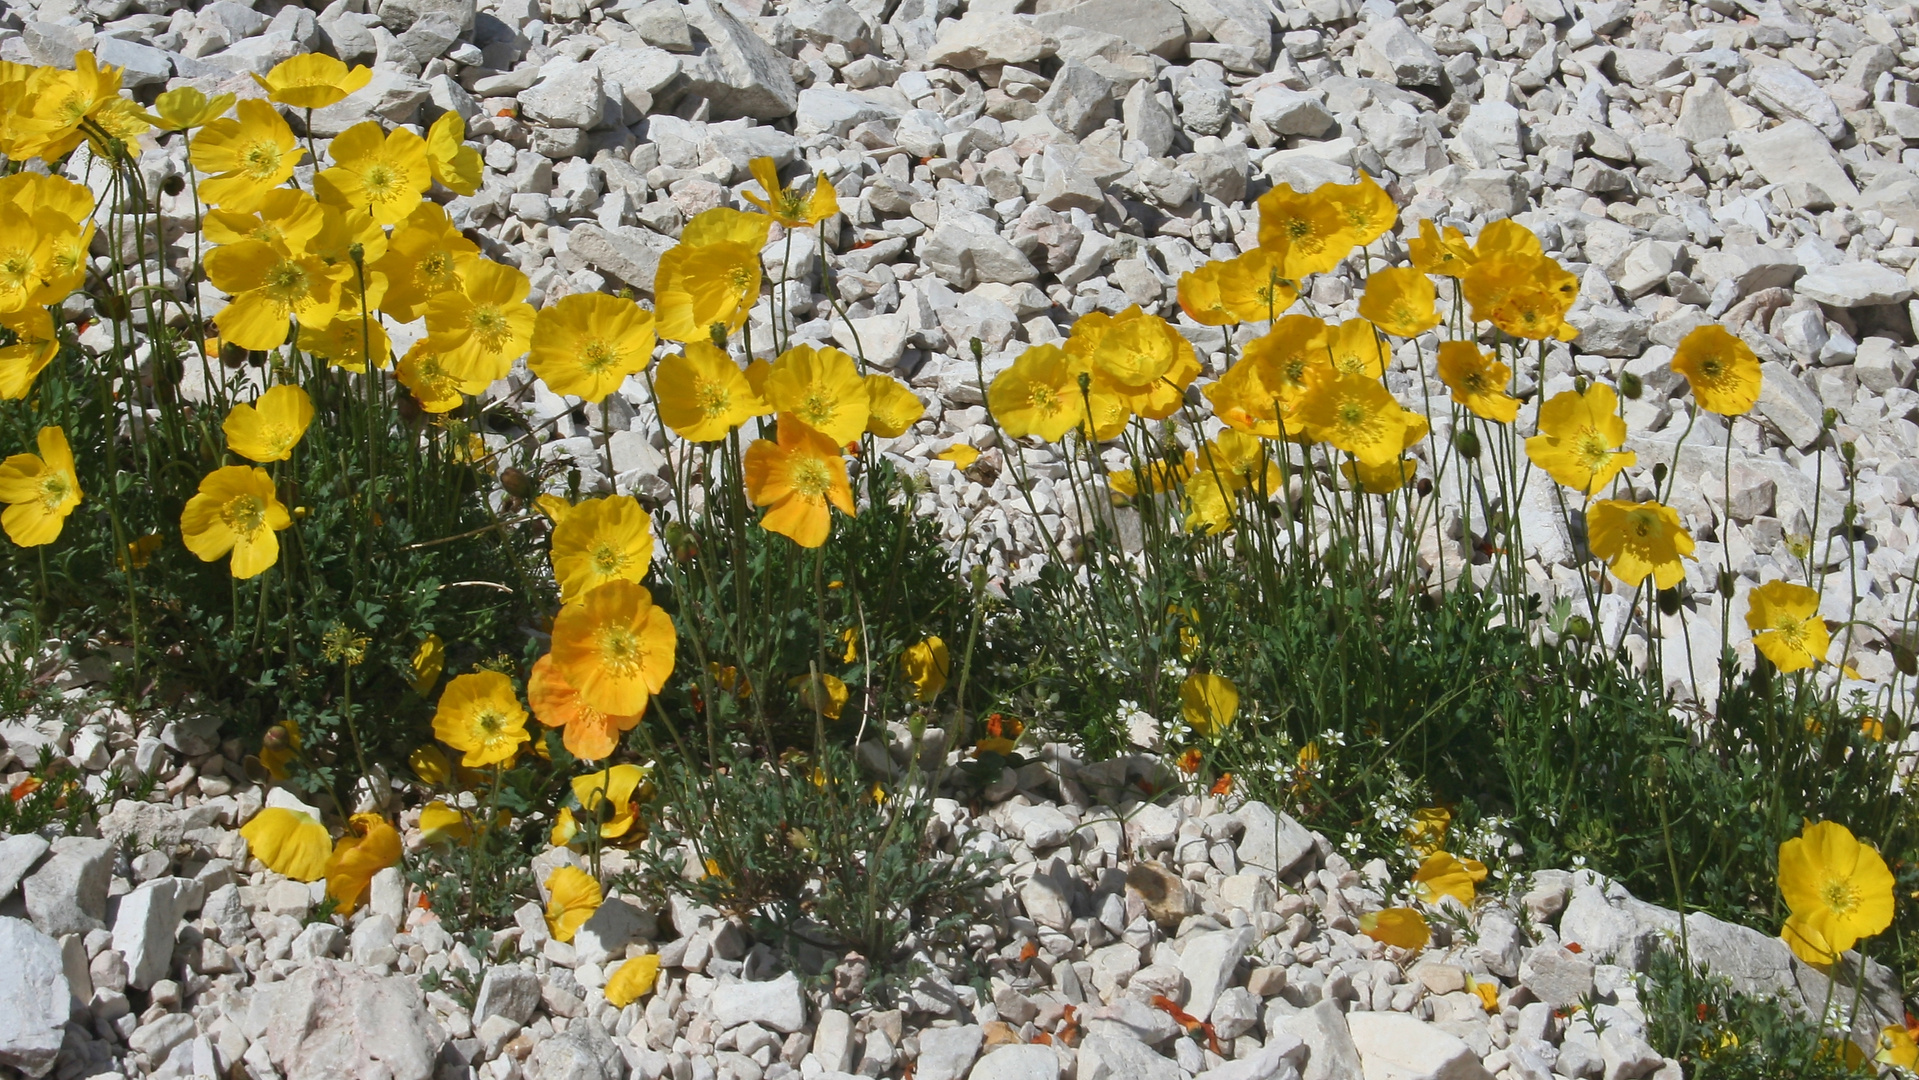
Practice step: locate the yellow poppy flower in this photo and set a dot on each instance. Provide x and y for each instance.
(824, 694)
(54, 104)
(587, 733)
(370, 846)
(1527, 297)
(1381, 478)
(1240, 461)
(797, 478)
(1246, 288)
(587, 344)
(269, 286)
(271, 427)
(34, 347)
(1355, 414)
(1637, 539)
(31, 191)
(1365, 207)
(703, 394)
(960, 454)
(1290, 356)
(1785, 624)
(351, 339)
(1506, 237)
(699, 287)
(479, 715)
(423, 259)
(601, 540)
(1432, 252)
(434, 387)
(24, 254)
(1837, 888)
(607, 797)
(243, 157)
(429, 660)
(925, 665)
(1579, 439)
(41, 490)
(823, 388)
(285, 217)
(454, 164)
(237, 512)
(1897, 1048)
(1038, 395)
(632, 980)
(342, 228)
(479, 329)
(1209, 502)
(1135, 349)
(1308, 232)
(574, 897)
(1427, 833)
(440, 824)
(1722, 370)
(725, 225)
(1477, 381)
(1443, 874)
(1244, 402)
(1401, 301)
(1160, 474)
(187, 107)
(784, 204)
(1355, 348)
(289, 842)
(312, 81)
(891, 406)
(382, 173)
(279, 747)
(614, 647)
(1401, 927)
(1208, 703)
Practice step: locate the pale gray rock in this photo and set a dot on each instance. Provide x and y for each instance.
(1080, 99)
(330, 1019)
(568, 98)
(68, 893)
(982, 41)
(1244, 24)
(1331, 1053)
(141, 65)
(1706, 112)
(1556, 975)
(740, 74)
(660, 23)
(1208, 961)
(1392, 50)
(612, 928)
(1882, 364)
(1645, 67)
(1610, 331)
(390, 96)
(1855, 284)
(1273, 844)
(1663, 158)
(1285, 111)
(1394, 1046)
(18, 855)
(1796, 151)
(1104, 1057)
(1149, 26)
(1492, 133)
(1789, 405)
(508, 990)
(963, 258)
(1021, 1061)
(832, 23)
(627, 252)
(1279, 1059)
(399, 15)
(34, 998)
(581, 1052)
(776, 1005)
(157, 1037)
(947, 1053)
(1748, 267)
(148, 920)
(1787, 93)
(1205, 106)
(838, 112)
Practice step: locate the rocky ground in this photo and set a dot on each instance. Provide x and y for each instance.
(1006, 166)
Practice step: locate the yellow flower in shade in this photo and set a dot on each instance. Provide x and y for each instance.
(479, 329)
(1159, 474)
(1246, 288)
(351, 339)
(1038, 395)
(29, 192)
(279, 747)
(342, 227)
(1722, 370)
(384, 174)
(588, 343)
(702, 394)
(797, 478)
(1209, 502)
(699, 287)
(54, 103)
(24, 254)
(312, 81)
(824, 694)
(1309, 232)
(289, 842)
(1355, 414)
(454, 164)
(961, 455)
(725, 225)
(1477, 381)
(1244, 402)
(1208, 703)
(614, 647)
(1366, 208)
(822, 387)
(429, 660)
(430, 765)
(1785, 624)
(423, 260)
(1355, 348)
(1400, 927)
(440, 824)
(237, 512)
(271, 427)
(925, 665)
(437, 389)
(271, 285)
(186, 107)
(573, 898)
(286, 217)
(784, 204)
(1443, 874)
(601, 540)
(1579, 439)
(1427, 833)
(587, 733)
(370, 846)
(1380, 478)
(1240, 461)
(607, 797)
(1898, 1048)
(1637, 539)
(40, 490)
(1837, 888)
(480, 716)
(1506, 237)
(1401, 301)
(243, 157)
(1134, 349)
(891, 406)
(1432, 252)
(1526, 296)
(632, 980)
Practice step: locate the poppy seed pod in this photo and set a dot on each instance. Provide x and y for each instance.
(1669, 602)
(518, 483)
(1631, 386)
(173, 185)
(1467, 443)
(1581, 384)
(1658, 473)
(1727, 582)
(1579, 628)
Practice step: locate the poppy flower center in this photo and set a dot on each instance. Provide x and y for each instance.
(382, 181)
(1839, 895)
(1044, 398)
(620, 651)
(598, 356)
(17, 268)
(1593, 450)
(1711, 368)
(811, 478)
(818, 409)
(260, 159)
(608, 559)
(286, 283)
(244, 514)
(53, 490)
(490, 323)
(279, 437)
(435, 270)
(713, 400)
(1644, 526)
(490, 722)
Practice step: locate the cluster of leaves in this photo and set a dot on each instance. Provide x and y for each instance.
(1715, 1033)
(57, 794)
